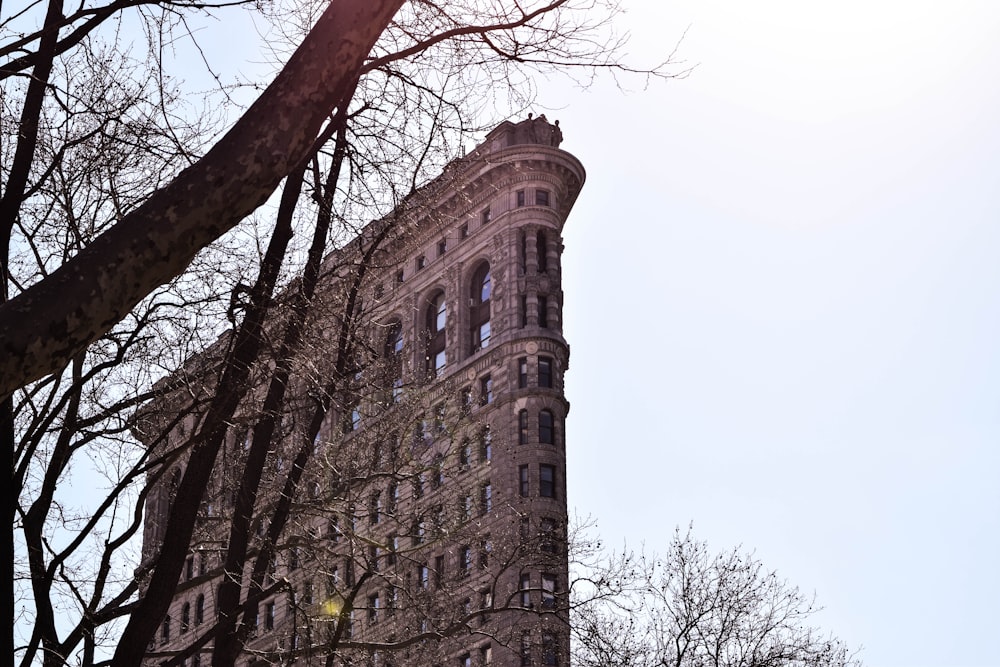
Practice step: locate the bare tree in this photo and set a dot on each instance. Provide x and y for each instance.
(691, 608)
(43, 327)
(110, 202)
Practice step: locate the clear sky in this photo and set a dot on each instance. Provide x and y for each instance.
(783, 301)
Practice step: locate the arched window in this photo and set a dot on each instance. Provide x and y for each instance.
(482, 288)
(542, 246)
(185, 617)
(436, 322)
(546, 428)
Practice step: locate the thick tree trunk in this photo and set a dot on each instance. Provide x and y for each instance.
(42, 328)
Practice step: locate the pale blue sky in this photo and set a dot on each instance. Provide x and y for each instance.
(783, 300)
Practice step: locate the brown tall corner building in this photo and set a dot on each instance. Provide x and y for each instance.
(428, 524)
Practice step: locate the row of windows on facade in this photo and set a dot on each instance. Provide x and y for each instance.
(419, 481)
(387, 601)
(483, 656)
(429, 429)
(549, 648)
(548, 543)
(547, 488)
(542, 198)
(433, 520)
(480, 328)
(548, 537)
(544, 379)
(375, 659)
(377, 509)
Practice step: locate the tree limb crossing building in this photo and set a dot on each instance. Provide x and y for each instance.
(429, 525)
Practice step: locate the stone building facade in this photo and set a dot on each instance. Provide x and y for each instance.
(430, 527)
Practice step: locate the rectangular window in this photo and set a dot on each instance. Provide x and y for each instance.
(485, 445)
(437, 520)
(522, 427)
(486, 656)
(391, 600)
(465, 455)
(438, 571)
(524, 311)
(437, 472)
(392, 497)
(373, 606)
(465, 661)
(465, 560)
(550, 649)
(485, 549)
(421, 262)
(525, 589)
(525, 648)
(523, 480)
(375, 507)
(545, 372)
(547, 536)
(466, 400)
(485, 390)
(541, 197)
(485, 498)
(390, 558)
(485, 599)
(546, 428)
(189, 568)
(522, 373)
(307, 591)
(465, 508)
(423, 576)
(374, 556)
(418, 485)
(519, 196)
(547, 481)
(442, 247)
(440, 426)
(543, 312)
(484, 216)
(548, 591)
(399, 276)
(463, 231)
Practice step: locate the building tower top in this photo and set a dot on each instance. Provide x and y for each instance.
(528, 131)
